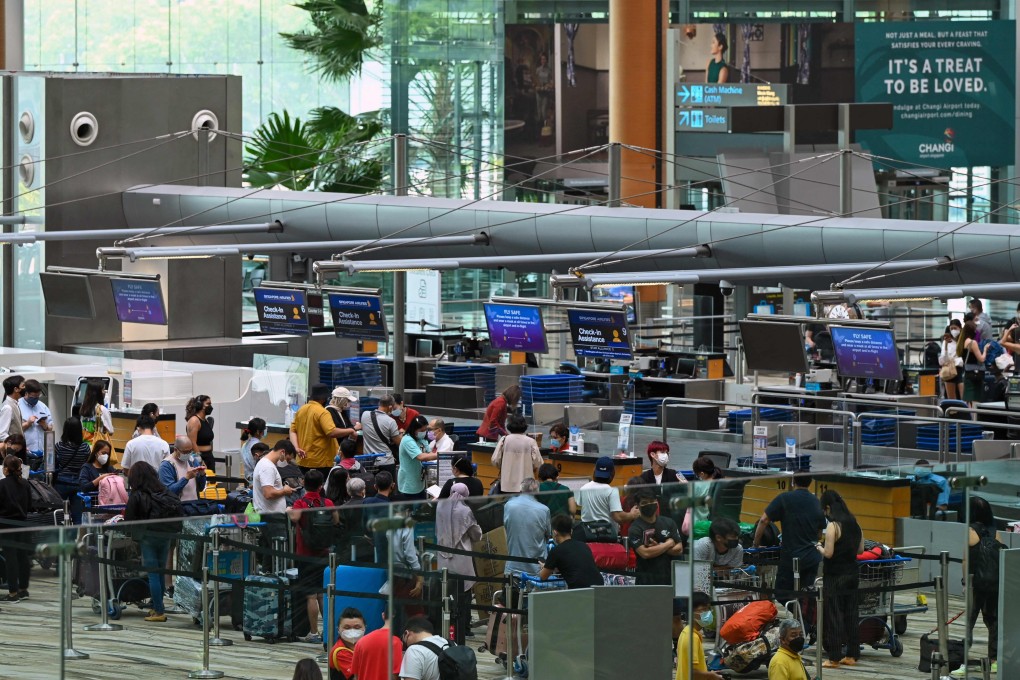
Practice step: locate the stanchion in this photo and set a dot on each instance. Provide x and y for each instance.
(818, 630)
(508, 603)
(70, 653)
(216, 640)
(104, 625)
(204, 672)
(330, 613)
(445, 594)
(936, 666)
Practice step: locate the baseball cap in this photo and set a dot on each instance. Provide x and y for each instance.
(603, 468)
(342, 393)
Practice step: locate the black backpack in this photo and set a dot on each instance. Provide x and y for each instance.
(456, 662)
(43, 497)
(931, 355)
(164, 505)
(984, 558)
(318, 532)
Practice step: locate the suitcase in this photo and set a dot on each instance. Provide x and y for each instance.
(188, 598)
(354, 579)
(496, 633)
(267, 608)
(609, 556)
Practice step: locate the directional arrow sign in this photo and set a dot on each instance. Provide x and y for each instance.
(735, 94)
(702, 120)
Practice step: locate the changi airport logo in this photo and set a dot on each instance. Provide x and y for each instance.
(939, 149)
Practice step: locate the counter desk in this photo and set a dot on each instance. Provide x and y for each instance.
(570, 465)
(124, 421)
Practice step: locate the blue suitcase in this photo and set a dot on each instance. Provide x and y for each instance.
(267, 608)
(353, 579)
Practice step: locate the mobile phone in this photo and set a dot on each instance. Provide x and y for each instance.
(648, 537)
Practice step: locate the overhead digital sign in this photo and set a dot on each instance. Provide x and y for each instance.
(866, 353)
(282, 311)
(68, 295)
(139, 301)
(357, 316)
(600, 334)
(515, 328)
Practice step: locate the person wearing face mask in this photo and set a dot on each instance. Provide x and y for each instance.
(658, 472)
(842, 543)
(559, 438)
(720, 552)
(463, 473)
(10, 413)
(948, 355)
(656, 540)
(403, 413)
(350, 630)
(310, 568)
(182, 472)
(200, 430)
(146, 447)
(413, 452)
(37, 419)
(16, 446)
(379, 654)
(96, 468)
(439, 441)
(516, 455)
(314, 432)
(923, 475)
(253, 433)
(691, 663)
(457, 528)
(15, 501)
(787, 664)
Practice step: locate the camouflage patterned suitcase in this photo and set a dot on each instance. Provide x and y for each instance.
(267, 608)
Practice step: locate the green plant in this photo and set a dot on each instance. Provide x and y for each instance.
(342, 32)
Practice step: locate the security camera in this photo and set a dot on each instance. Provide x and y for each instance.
(726, 288)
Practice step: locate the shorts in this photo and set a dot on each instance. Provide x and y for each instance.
(310, 575)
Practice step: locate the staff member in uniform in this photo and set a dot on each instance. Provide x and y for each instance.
(200, 430)
(494, 423)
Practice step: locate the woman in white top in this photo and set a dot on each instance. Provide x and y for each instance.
(439, 441)
(948, 354)
(250, 436)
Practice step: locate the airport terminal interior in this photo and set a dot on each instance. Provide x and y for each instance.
(549, 339)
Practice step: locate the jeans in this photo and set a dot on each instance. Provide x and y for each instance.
(69, 492)
(17, 550)
(155, 551)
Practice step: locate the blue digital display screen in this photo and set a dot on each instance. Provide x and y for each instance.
(866, 353)
(282, 311)
(516, 328)
(139, 301)
(600, 334)
(357, 316)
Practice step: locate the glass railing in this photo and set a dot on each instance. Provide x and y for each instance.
(509, 577)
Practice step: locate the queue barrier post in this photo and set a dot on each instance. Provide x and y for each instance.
(819, 619)
(445, 593)
(205, 672)
(216, 640)
(508, 602)
(69, 652)
(104, 625)
(330, 614)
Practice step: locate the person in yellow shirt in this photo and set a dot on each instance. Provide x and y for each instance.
(691, 663)
(314, 434)
(787, 664)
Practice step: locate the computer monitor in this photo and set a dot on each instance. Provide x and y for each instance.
(68, 295)
(423, 348)
(774, 346)
(866, 353)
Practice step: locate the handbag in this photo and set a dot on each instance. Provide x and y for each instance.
(948, 371)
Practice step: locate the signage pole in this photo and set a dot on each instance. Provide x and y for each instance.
(846, 183)
(399, 278)
(615, 175)
(790, 130)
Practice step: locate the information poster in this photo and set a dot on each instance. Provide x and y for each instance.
(600, 334)
(866, 353)
(357, 316)
(760, 445)
(282, 311)
(952, 86)
(423, 301)
(139, 301)
(515, 328)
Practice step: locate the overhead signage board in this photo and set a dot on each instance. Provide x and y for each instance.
(515, 328)
(357, 316)
(282, 311)
(702, 120)
(600, 334)
(952, 86)
(731, 94)
(423, 300)
(139, 301)
(866, 353)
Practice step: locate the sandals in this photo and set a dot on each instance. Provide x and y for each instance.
(830, 664)
(848, 661)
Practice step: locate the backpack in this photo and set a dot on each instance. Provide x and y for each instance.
(164, 505)
(317, 529)
(985, 563)
(931, 355)
(43, 497)
(112, 491)
(993, 351)
(456, 662)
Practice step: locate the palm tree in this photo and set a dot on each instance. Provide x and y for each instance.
(343, 31)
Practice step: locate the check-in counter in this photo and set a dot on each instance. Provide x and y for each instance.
(875, 501)
(571, 465)
(124, 427)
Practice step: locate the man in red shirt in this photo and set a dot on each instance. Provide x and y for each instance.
(402, 413)
(372, 655)
(310, 570)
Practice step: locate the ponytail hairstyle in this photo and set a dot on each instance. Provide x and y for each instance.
(194, 406)
(256, 428)
(12, 464)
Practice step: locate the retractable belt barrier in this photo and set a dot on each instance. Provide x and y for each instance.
(813, 594)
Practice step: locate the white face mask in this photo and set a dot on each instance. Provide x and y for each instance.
(102, 458)
(662, 458)
(352, 634)
(282, 463)
(955, 333)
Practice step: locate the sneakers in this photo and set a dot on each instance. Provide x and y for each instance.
(10, 597)
(961, 672)
(312, 638)
(155, 617)
(22, 594)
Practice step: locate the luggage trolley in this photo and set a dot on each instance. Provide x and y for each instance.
(525, 584)
(879, 611)
(730, 588)
(127, 584)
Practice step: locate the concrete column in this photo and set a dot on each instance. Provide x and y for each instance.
(13, 32)
(637, 42)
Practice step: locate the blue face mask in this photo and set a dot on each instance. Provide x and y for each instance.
(555, 442)
(31, 401)
(922, 473)
(706, 619)
(420, 436)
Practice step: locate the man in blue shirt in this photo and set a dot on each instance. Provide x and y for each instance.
(923, 475)
(527, 528)
(800, 514)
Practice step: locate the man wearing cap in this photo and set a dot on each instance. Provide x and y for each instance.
(314, 434)
(599, 501)
(340, 409)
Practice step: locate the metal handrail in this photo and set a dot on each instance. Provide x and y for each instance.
(943, 424)
(862, 400)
